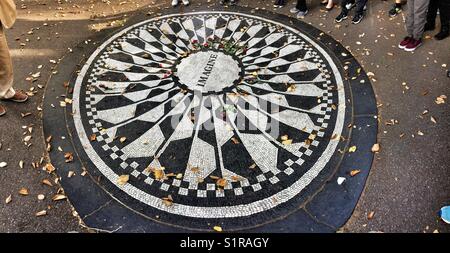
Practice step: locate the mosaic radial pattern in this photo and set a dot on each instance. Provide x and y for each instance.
(211, 115)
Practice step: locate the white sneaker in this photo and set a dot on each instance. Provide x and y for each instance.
(174, 3)
(186, 2)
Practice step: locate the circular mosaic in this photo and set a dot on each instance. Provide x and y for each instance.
(210, 115)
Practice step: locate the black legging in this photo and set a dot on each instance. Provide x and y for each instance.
(301, 5)
(444, 13)
(359, 5)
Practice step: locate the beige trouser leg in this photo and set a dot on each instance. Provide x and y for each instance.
(6, 69)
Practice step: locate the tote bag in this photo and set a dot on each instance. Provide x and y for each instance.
(7, 13)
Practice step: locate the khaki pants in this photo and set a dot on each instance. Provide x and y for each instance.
(416, 17)
(6, 68)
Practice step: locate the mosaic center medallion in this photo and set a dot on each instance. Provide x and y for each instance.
(220, 71)
(211, 115)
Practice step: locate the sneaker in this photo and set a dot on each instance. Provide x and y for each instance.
(444, 33)
(174, 3)
(233, 2)
(395, 11)
(405, 42)
(2, 110)
(357, 18)
(294, 10)
(278, 4)
(413, 45)
(350, 6)
(19, 97)
(302, 14)
(341, 17)
(186, 2)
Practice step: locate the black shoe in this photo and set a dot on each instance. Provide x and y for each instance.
(395, 11)
(278, 3)
(444, 33)
(429, 26)
(357, 18)
(341, 17)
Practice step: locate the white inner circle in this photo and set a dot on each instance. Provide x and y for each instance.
(208, 71)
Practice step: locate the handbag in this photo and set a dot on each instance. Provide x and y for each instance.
(7, 13)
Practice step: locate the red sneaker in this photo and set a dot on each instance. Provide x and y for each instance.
(413, 45)
(405, 42)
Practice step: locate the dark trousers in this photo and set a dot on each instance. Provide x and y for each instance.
(444, 13)
(301, 5)
(359, 6)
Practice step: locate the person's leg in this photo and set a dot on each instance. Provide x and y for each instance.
(301, 5)
(444, 13)
(360, 6)
(431, 15)
(6, 69)
(420, 17)
(343, 6)
(410, 18)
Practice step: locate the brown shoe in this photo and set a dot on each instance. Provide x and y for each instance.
(19, 97)
(2, 110)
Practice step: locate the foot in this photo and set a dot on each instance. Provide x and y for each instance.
(185, 2)
(19, 97)
(395, 10)
(442, 34)
(294, 10)
(413, 45)
(324, 2)
(329, 6)
(341, 17)
(233, 2)
(405, 42)
(302, 14)
(357, 18)
(429, 26)
(174, 3)
(278, 3)
(2, 110)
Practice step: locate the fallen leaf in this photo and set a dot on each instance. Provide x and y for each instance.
(376, 147)
(370, 215)
(352, 149)
(340, 180)
(41, 213)
(217, 228)
(123, 139)
(47, 182)
(235, 140)
(8, 199)
(69, 157)
(49, 168)
(41, 196)
(93, 137)
(221, 182)
(23, 191)
(287, 142)
(354, 172)
(59, 197)
(433, 120)
(21, 164)
(252, 166)
(441, 99)
(3, 164)
(123, 179)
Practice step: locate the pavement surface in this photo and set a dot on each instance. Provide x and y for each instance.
(408, 182)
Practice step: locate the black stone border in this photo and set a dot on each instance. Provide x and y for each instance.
(324, 210)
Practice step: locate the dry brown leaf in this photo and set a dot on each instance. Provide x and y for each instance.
(354, 172)
(41, 213)
(285, 137)
(93, 137)
(252, 166)
(123, 179)
(8, 199)
(159, 174)
(287, 142)
(59, 197)
(69, 157)
(221, 182)
(235, 140)
(376, 147)
(370, 215)
(47, 182)
(217, 228)
(49, 168)
(352, 149)
(122, 139)
(433, 120)
(23, 191)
